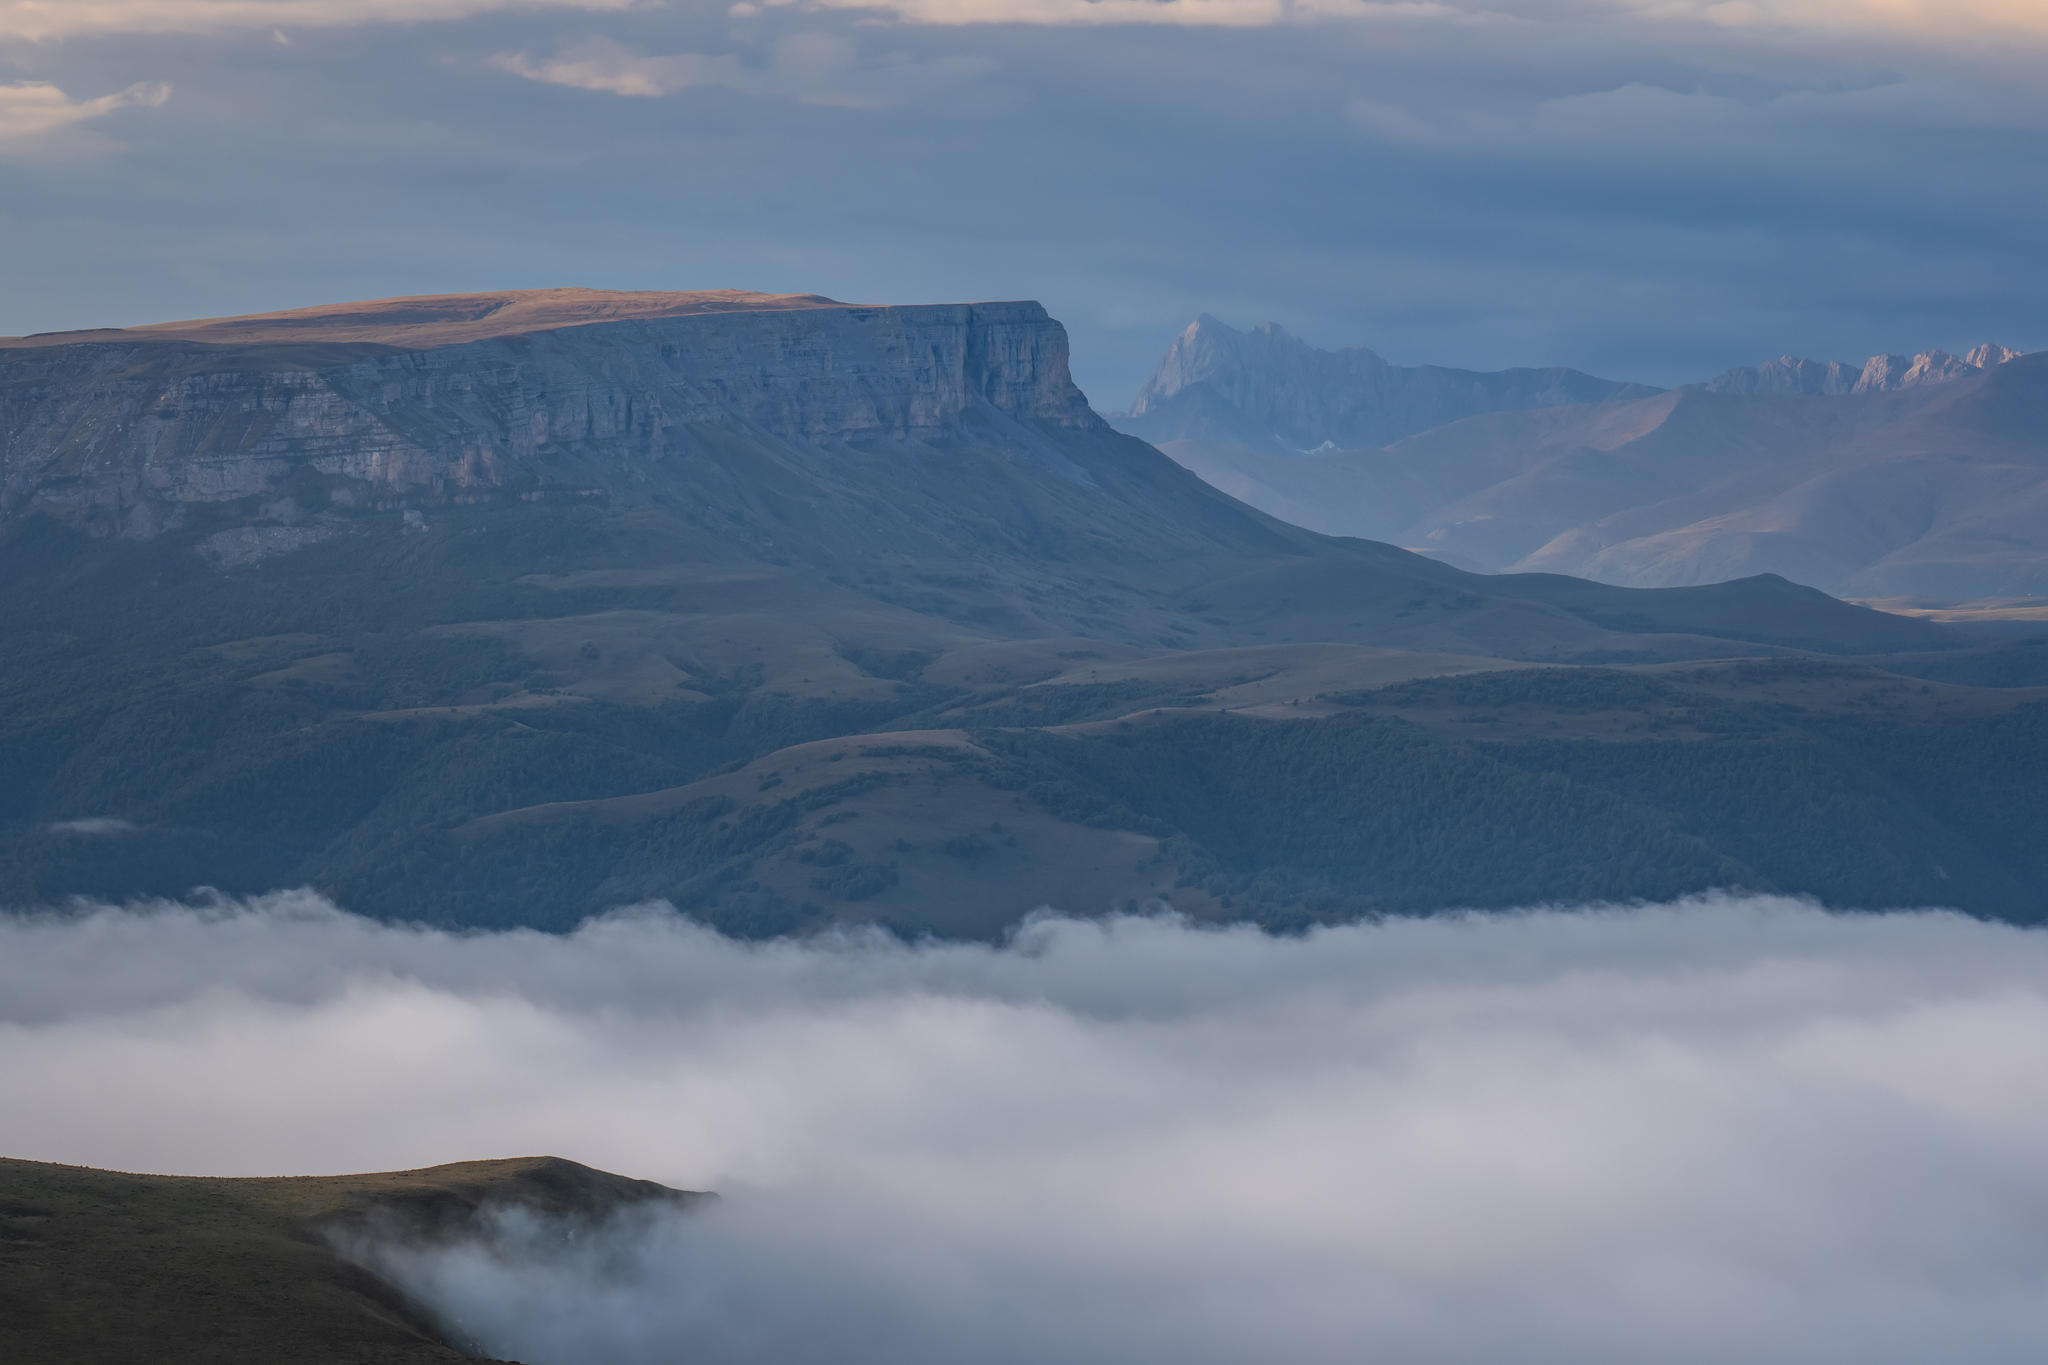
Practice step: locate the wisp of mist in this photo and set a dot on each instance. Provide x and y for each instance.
(1731, 1129)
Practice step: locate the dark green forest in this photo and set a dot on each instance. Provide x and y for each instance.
(242, 784)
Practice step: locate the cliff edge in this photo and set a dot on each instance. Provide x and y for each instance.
(118, 431)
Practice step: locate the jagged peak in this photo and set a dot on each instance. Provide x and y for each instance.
(1878, 374)
(1991, 354)
(1211, 351)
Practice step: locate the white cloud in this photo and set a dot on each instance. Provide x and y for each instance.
(812, 68)
(1950, 18)
(46, 19)
(1200, 13)
(41, 19)
(95, 824)
(600, 64)
(1936, 17)
(1727, 1130)
(32, 109)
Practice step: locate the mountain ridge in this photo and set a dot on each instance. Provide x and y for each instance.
(1272, 390)
(1879, 374)
(1922, 478)
(315, 613)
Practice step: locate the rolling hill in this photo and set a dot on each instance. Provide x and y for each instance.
(106, 1268)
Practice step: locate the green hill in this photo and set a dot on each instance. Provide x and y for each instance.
(106, 1268)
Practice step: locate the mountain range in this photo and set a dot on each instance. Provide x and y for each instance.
(1922, 477)
(510, 608)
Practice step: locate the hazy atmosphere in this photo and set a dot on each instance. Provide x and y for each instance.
(1023, 682)
(1652, 192)
(1727, 1129)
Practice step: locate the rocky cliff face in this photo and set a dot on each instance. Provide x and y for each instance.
(118, 431)
(1269, 390)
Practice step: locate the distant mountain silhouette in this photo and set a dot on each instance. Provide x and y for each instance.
(1919, 476)
(1271, 391)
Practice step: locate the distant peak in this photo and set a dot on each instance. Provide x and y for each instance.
(1990, 354)
(1879, 374)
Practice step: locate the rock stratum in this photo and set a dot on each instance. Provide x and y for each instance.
(118, 431)
(511, 608)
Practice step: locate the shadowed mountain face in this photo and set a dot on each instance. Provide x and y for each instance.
(290, 611)
(103, 1266)
(1921, 488)
(1271, 392)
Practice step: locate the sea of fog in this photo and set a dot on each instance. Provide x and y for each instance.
(1723, 1130)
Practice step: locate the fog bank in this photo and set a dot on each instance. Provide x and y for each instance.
(1731, 1129)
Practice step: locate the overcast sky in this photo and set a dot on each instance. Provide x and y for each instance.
(1647, 189)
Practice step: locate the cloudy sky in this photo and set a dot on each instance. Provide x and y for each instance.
(1649, 189)
(1729, 1130)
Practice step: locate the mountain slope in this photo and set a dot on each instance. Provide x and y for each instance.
(1935, 489)
(291, 612)
(106, 1267)
(1246, 795)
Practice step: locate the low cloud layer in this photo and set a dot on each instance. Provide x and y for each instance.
(1725, 1130)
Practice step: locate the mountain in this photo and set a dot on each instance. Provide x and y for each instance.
(1879, 374)
(403, 599)
(103, 1266)
(1888, 481)
(1269, 391)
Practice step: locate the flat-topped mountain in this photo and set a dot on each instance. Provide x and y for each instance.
(371, 608)
(932, 456)
(441, 319)
(1272, 392)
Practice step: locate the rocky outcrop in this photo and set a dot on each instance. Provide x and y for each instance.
(120, 431)
(1879, 374)
(1269, 390)
(1789, 374)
